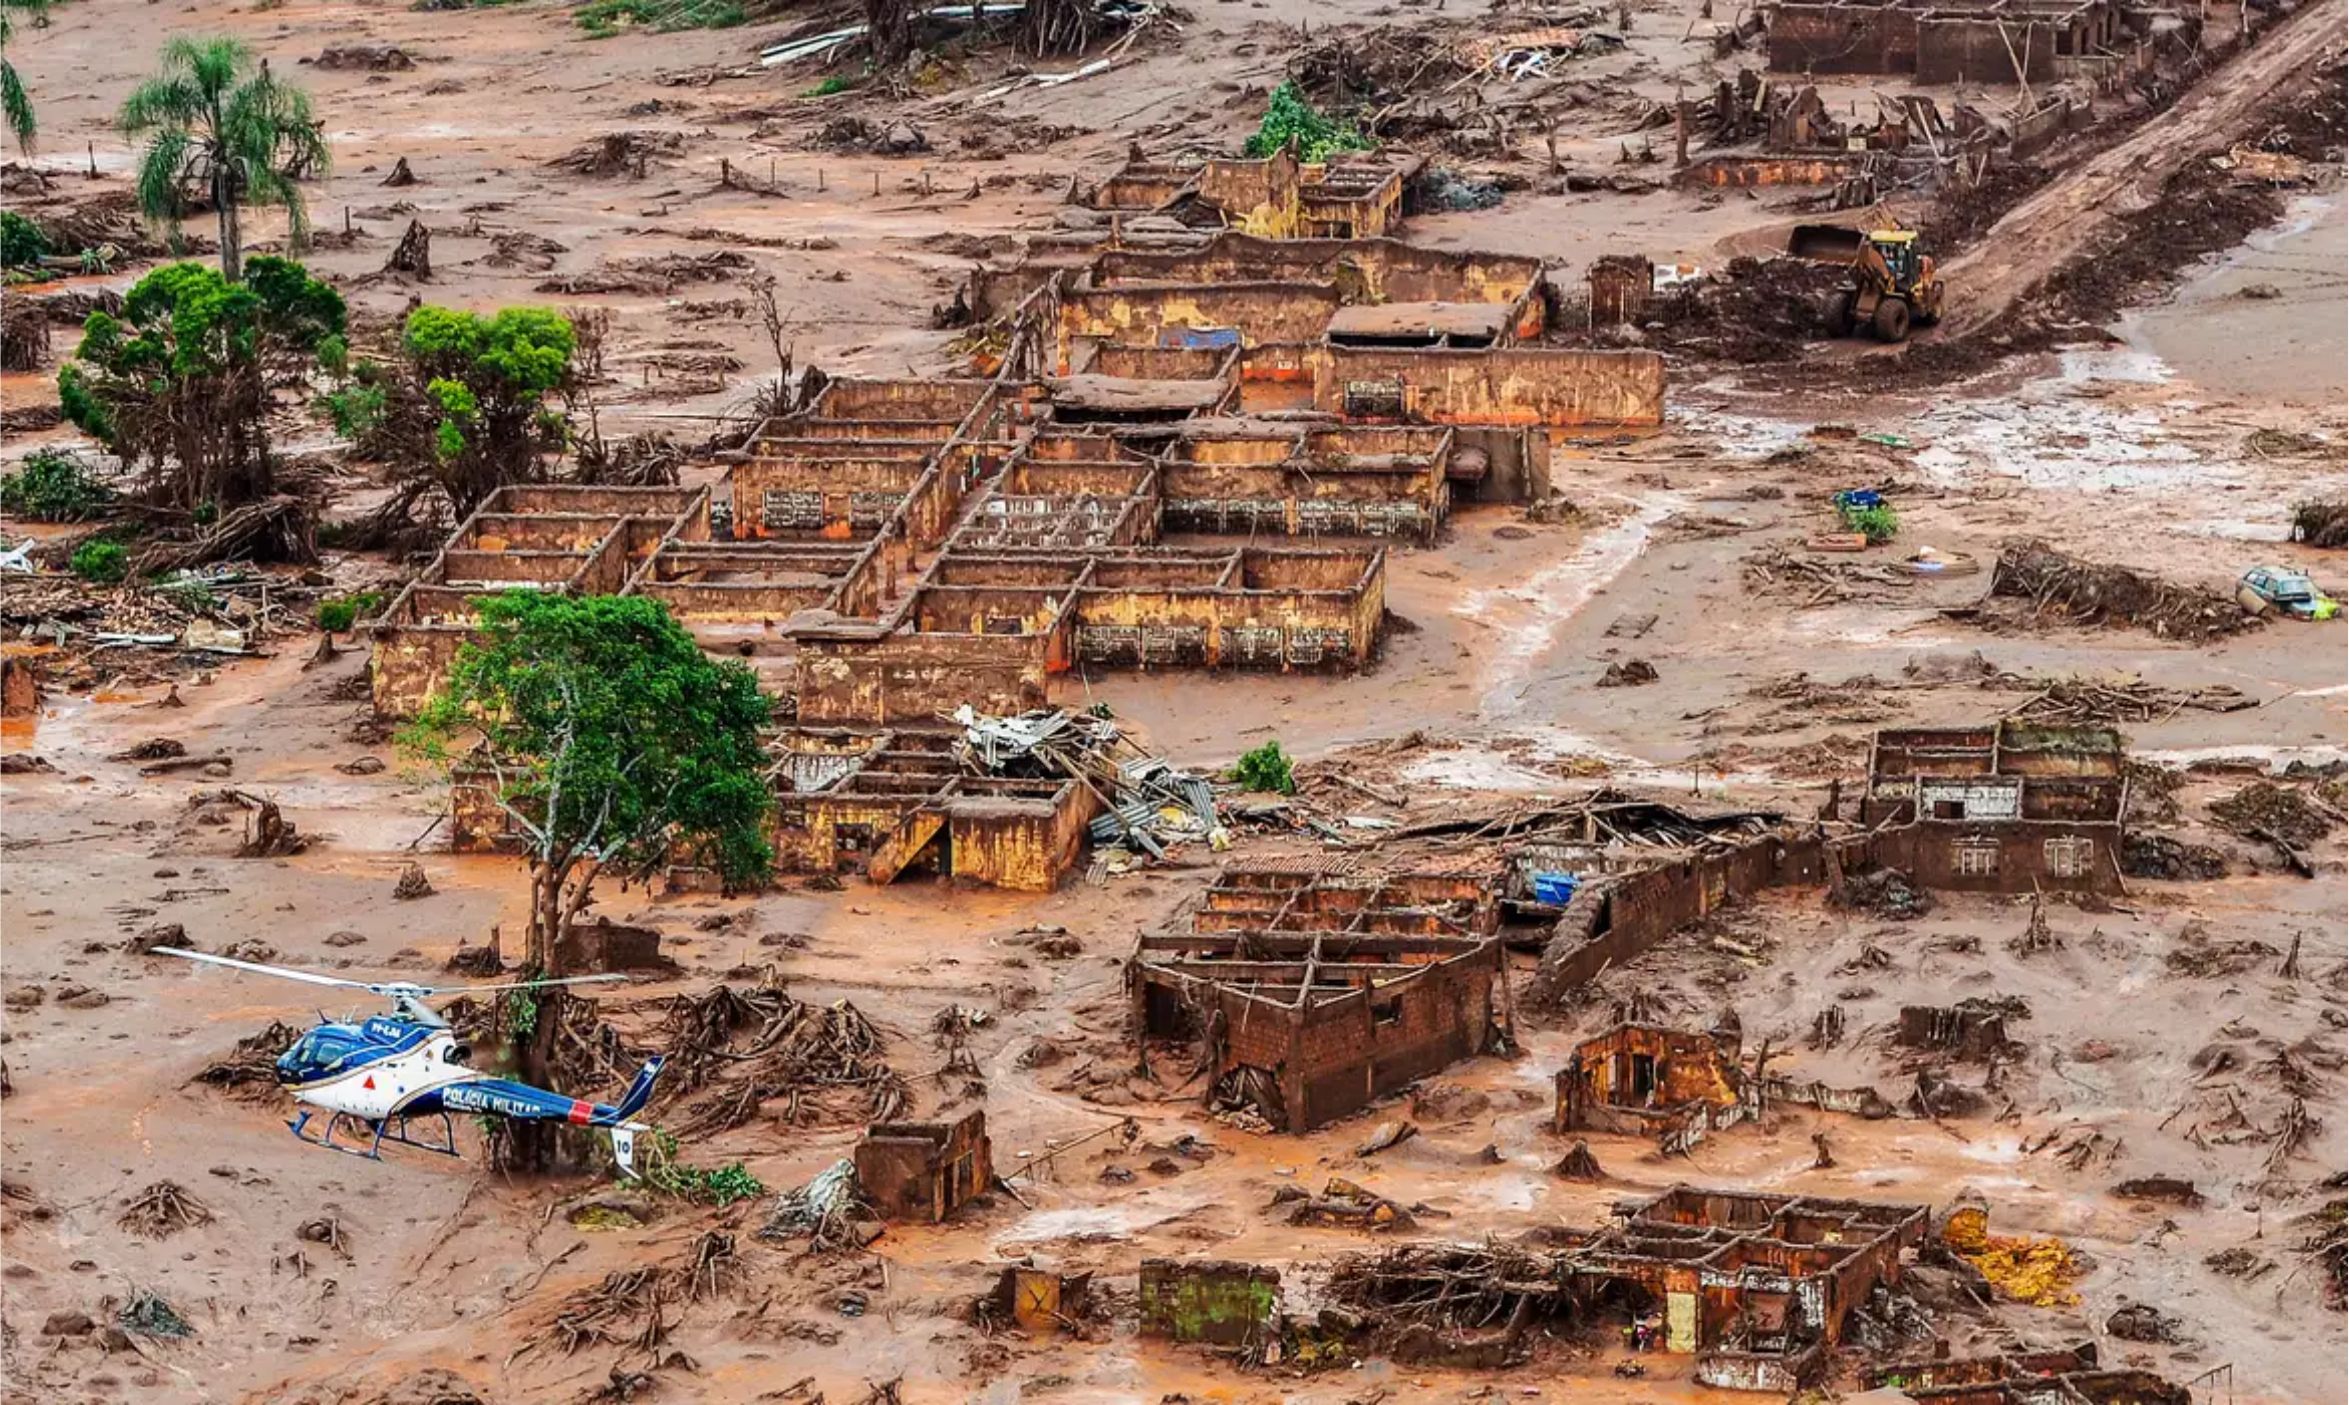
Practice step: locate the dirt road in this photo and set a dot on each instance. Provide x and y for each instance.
(2062, 221)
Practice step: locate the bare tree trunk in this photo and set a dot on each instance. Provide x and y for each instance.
(232, 249)
(888, 31)
(558, 891)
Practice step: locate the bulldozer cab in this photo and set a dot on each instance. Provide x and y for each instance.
(1895, 249)
(1898, 249)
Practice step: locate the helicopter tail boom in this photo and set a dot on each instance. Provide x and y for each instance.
(640, 1092)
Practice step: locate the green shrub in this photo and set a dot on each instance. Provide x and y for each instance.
(21, 241)
(1877, 524)
(1288, 117)
(1267, 768)
(355, 411)
(720, 1187)
(337, 614)
(604, 18)
(53, 487)
(100, 561)
(837, 83)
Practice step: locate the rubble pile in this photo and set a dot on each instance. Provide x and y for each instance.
(250, 1070)
(152, 631)
(2075, 700)
(2264, 810)
(734, 1050)
(2087, 592)
(1753, 311)
(1461, 1286)
(1148, 805)
(2324, 524)
(651, 273)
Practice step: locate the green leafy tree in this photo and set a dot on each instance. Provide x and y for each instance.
(610, 739)
(179, 386)
(1267, 768)
(467, 405)
(16, 105)
(217, 121)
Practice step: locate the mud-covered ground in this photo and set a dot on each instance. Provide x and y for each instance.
(2163, 1036)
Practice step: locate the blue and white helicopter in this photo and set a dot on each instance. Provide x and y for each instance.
(387, 1069)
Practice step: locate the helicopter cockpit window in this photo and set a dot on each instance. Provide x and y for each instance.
(320, 1049)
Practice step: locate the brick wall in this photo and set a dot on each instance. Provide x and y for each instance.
(1843, 39)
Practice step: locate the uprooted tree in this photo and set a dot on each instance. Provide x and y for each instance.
(463, 406)
(180, 385)
(611, 741)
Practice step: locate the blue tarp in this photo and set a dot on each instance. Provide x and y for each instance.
(1555, 889)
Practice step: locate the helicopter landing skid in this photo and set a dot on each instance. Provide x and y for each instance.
(392, 1129)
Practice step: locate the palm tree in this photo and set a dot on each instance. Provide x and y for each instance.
(217, 121)
(15, 105)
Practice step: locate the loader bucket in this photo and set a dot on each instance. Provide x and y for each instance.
(1828, 243)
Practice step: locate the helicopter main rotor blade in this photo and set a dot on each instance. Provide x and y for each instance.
(519, 985)
(286, 973)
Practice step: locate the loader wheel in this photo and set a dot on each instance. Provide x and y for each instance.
(1892, 320)
(1839, 314)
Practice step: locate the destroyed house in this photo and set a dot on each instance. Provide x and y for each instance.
(1641, 870)
(2067, 1376)
(885, 803)
(1650, 1080)
(1369, 330)
(924, 1171)
(1680, 1085)
(1308, 1023)
(1275, 197)
(564, 539)
(988, 630)
(2001, 808)
(1314, 892)
(1757, 1287)
(1993, 42)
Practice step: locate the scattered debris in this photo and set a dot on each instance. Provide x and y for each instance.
(147, 1314)
(1343, 1204)
(2143, 1322)
(1579, 1165)
(370, 58)
(629, 154)
(163, 1210)
(2168, 1189)
(829, 1212)
(413, 255)
(250, 1070)
(652, 273)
